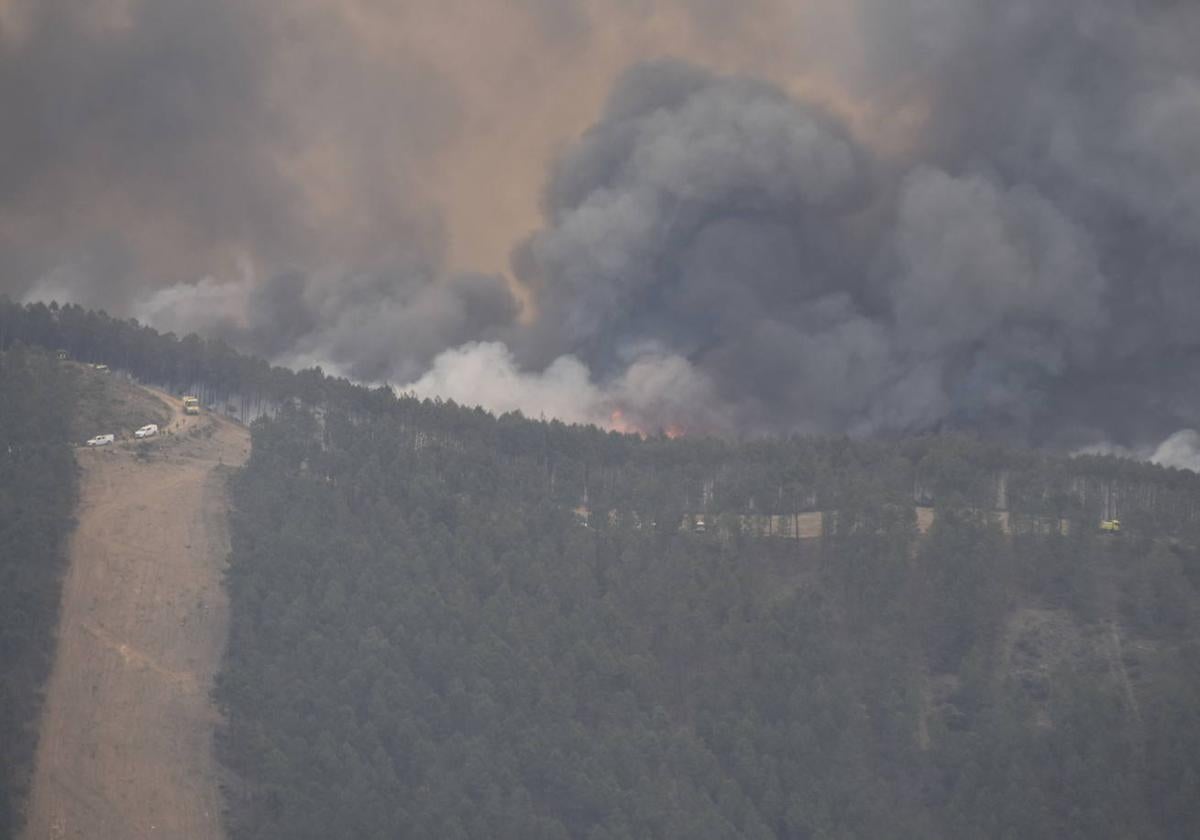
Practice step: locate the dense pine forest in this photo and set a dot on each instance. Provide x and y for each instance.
(37, 497)
(240, 385)
(433, 637)
(450, 624)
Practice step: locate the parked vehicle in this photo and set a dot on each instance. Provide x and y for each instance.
(149, 430)
(191, 405)
(101, 440)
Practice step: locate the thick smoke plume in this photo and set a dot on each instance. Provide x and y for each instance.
(888, 215)
(1027, 265)
(371, 326)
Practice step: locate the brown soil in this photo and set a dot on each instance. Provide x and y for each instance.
(111, 404)
(126, 742)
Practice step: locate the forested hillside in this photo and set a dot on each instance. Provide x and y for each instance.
(447, 624)
(37, 495)
(240, 385)
(429, 641)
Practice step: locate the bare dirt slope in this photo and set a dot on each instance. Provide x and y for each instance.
(126, 750)
(110, 404)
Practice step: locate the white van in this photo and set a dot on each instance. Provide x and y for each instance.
(101, 440)
(149, 430)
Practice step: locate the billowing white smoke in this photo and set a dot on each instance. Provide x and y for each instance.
(656, 391)
(1181, 450)
(484, 373)
(209, 306)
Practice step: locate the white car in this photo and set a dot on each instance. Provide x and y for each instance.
(101, 440)
(149, 430)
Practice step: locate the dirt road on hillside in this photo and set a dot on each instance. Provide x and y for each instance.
(126, 737)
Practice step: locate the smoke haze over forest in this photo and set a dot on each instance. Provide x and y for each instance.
(875, 216)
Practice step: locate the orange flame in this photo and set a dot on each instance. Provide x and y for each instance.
(618, 422)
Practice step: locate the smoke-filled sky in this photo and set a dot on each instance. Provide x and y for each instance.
(857, 216)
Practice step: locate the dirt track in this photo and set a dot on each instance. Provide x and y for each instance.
(126, 741)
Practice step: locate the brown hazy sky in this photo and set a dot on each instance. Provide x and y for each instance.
(332, 134)
(529, 82)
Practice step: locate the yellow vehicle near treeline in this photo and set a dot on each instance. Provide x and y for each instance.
(1110, 526)
(191, 405)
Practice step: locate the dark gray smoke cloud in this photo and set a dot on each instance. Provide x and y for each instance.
(1005, 236)
(1096, 108)
(721, 220)
(710, 216)
(160, 112)
(1029, 266)
(172, 160)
